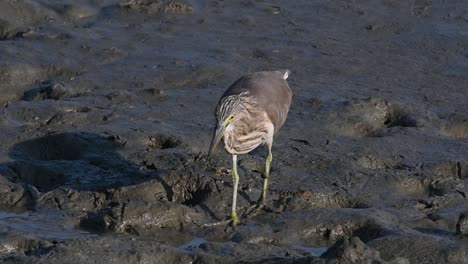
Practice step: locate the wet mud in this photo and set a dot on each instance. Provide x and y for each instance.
(107, 112)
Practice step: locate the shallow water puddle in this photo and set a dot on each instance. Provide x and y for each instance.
(43, 225)
(195, 242)
(314, 251)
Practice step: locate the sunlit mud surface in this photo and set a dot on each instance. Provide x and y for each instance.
(107, 112)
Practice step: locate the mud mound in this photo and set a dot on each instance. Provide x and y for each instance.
(157, 6)
(75, 11)
(457, 129)
(47, 90)
(371, 117)
(8, 31)
(24, 12)
(14, 196)
(351, 250)
(139, 217)
(376, 162)
(18, 77)
(299, 200)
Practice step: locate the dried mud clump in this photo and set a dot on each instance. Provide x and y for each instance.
(8, 31)
(157, 6)
(47, 90)
(462, 224)
(453, 169)
(446, 178)
(457, 129)
(375, 162)
(16, 195)
(353, 250)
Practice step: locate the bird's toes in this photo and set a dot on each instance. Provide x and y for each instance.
(254, 209)
(229, 222)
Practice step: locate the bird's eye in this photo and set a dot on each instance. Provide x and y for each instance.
(228, 120)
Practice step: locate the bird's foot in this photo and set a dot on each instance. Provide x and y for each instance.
(255, 209)
(234, 221)
(260, 206)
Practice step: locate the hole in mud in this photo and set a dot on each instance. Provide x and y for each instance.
(196, 197)
(399, 118)
(163, 142)
(188, 189)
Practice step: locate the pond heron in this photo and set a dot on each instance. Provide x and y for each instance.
(249, 114)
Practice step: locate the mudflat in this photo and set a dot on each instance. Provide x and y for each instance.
(107, 112)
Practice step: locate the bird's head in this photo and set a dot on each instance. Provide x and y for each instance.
(226, 114)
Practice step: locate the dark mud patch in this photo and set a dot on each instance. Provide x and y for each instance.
(62, 146)
(82, 160)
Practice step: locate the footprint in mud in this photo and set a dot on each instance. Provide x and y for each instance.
(371, 118)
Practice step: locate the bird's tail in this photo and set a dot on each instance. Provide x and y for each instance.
(285, 73)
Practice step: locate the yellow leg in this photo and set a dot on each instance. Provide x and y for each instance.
(268, 160)
(235, 182)
(254, 209)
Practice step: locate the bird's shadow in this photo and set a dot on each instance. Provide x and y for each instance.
(81, 160)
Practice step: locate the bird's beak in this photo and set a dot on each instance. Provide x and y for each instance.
(219, 133)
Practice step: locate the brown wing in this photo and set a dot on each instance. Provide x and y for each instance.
(270, 90)
(273, 95)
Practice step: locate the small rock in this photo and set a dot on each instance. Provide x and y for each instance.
(462, 224)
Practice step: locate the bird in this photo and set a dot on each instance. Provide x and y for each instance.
(249, 114)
